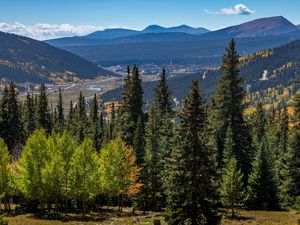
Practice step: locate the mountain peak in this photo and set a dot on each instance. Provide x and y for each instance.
(269, 26)
(154, 28)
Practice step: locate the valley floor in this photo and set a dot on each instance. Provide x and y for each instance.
(114, 218)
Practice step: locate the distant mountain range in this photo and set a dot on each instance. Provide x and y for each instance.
(26, 60)
(109, 34)
(183, 44)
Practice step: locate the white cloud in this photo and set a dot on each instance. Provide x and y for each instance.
(239, 9)
(42, 31)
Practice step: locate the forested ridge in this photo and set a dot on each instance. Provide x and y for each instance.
(195, 164)
(281, 82)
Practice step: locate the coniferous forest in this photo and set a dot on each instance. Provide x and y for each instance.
(194, 165)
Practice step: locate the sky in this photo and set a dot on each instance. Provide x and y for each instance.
(45, 19)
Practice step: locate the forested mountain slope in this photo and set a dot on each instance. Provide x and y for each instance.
(26, 60)
(275, 69)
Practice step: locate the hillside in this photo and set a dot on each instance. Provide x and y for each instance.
(26, 60)
(280, 66)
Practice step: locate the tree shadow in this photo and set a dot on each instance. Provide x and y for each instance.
(100, 216)
(239, 217)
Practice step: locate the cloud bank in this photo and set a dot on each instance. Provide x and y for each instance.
(239, 9)
(43, 31)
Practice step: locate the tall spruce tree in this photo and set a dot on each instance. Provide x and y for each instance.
(43, 114)
(152, 196)
(259, 124)
(60, 113)
(131, 105)
(80, 117)
(29, 115)
(227, 110)
(191, 195)
(70, 119)
(138, 142)
(11, 126)
(294, 164)
(111, 123)
(162, 95)
(95, 124)
(263, 188)
(163, 104)
(232, 190)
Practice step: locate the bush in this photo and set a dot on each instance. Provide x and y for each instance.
(2, 221)
(297, 204)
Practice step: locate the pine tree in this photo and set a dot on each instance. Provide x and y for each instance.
(152, 196)
(263, 188)
(43, 114)
(80, 118)
(283, 158)
(111, 123)
(231, 188)
(162, 95)
(138, 142)
(259, 124)
(131, 105)
(228, 110)
(294, 165)
(296, 103)
(95, 124)
(60, 112)
(163, 104)
(29, 120)
(191, 196)
(11, 127)
(70, 119)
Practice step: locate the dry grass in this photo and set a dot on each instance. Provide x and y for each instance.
(264, 218)
(111, 218)
(247, 218)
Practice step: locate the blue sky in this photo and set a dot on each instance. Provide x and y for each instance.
(83, 16)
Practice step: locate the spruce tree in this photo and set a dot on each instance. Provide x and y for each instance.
(162, 95)
(294, 164)
(259, 124)
(138, 142)
(227, 110)
(111, 123)
(80, 118)
(191, 195)
(296, 103)
(263, 188)
(163, 104)
(131, 105)
(152, 196)
(29, 117)
(95, 124)
(232, 191)
(70, 119)
(11, 127)
(60, 113)
(43, 114)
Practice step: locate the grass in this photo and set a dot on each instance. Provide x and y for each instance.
(104, 218)
(125, 218)
(264, 218)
